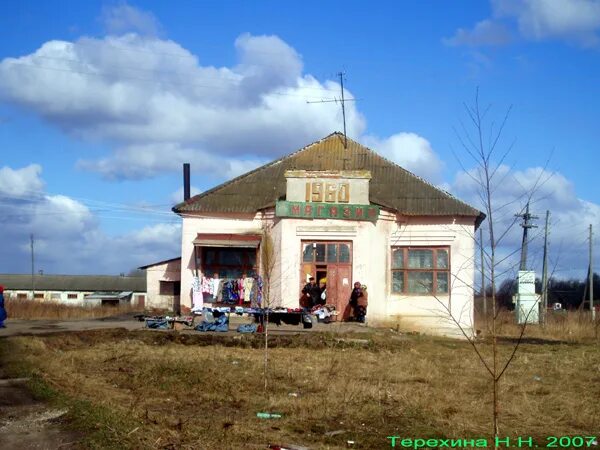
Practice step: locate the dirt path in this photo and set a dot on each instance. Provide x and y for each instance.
(19, 327)
(26, 423)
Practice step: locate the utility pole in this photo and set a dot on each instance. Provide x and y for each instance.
(591, 277)
(545, 271)
(526, 225)
(32, 268)
(483, 293)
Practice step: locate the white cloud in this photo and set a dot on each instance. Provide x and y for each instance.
(68, 235)
(484, 33)
(149, 98)
(577, 20)
(124, 18)
(23, 182)
(551, 191)
(412, 152)
(570, 20)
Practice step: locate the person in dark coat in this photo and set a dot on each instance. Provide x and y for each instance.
(3, 314)
(361, 305)
(312, 292)
(354, 299)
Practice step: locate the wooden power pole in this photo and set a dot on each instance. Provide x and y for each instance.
(545, 271)
(32, 270)
(591, 277)
(484, 296)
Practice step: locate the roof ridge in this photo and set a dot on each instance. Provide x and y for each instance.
(244, 175)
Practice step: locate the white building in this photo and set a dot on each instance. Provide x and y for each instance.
(76, 290)
(347, 214)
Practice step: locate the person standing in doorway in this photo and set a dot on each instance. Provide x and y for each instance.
(323, 288)
(311, 292)
(3, 314)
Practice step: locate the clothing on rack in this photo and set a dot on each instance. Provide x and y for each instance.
(196, 284)
(259, 284)
(230, 292)
(197, 298)
(240, 286)
(207, 285)
(247, 285)
(216, 286)
(197, 301)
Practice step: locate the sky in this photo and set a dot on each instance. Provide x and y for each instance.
(101, 103)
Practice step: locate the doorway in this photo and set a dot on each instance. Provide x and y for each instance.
(330, 260)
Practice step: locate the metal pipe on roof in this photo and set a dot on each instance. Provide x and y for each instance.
(186, 181)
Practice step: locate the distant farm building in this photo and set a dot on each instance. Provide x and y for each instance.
(87, 290)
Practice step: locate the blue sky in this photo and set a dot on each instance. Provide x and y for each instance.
(101, 102)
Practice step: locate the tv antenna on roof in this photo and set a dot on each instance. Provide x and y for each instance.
(342, 101)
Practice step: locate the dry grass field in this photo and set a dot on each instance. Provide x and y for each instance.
(27, 309)
(569, 326)
(181, 391)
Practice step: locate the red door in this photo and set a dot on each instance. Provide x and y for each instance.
(344, 285)
(333, 258)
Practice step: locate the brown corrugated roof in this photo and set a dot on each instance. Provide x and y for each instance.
(391, 186)
(159, 263)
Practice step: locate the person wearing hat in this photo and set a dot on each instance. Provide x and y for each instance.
(311, 292)
(3, 314)
(323, 288)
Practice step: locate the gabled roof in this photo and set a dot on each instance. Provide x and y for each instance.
(80, 283)
(391, 186)
(160, 263)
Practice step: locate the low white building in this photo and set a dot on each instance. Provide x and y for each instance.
(77, 290)
(345, 213)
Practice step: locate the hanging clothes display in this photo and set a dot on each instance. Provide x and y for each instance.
(207, 285)
(230, 292)
(259, 284)
(216, 286)
(197, 298)
(240, 288)
(248, 283)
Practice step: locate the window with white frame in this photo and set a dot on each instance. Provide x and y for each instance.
(420, 270)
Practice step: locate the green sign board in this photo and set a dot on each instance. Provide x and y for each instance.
(304, 210)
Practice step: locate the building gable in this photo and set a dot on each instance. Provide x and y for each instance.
(391, 186)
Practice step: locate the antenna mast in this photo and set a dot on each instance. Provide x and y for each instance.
(342, 101)
(341, 75)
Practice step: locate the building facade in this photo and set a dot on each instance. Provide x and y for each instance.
(76, 290)
(344, 213)
(163, 284)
